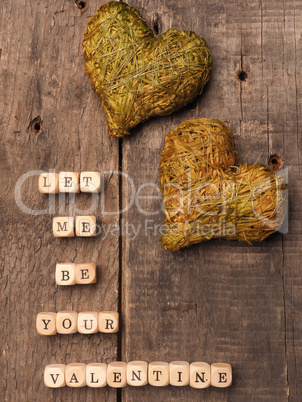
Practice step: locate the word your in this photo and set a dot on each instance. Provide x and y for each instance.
(69, 322)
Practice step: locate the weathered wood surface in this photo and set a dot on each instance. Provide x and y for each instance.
(42, 74)
(218, 301)
(224, 301)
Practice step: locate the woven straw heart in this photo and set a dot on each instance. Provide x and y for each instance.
(138, 75)
(205, 196)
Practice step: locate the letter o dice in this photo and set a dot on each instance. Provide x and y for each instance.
(67, 322)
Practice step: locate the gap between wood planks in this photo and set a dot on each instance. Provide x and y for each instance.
(120, 274)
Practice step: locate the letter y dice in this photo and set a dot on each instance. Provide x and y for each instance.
(46, 323)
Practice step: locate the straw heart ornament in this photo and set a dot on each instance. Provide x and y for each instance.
(206, 196)
(138, 75)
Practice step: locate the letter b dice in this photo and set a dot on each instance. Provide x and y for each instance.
(65, 274)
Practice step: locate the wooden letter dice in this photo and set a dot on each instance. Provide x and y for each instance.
(88, 322)
(49, 183)
(46, 323)
(108, 322)
(75, 375)
(85, 226)
(137, 373)
(158, 374)
(96, 375)
(65, 274)
(90, 182)
(63, 226)
(179, 373)
(221, 375)
(200, 375)
(54, 376)
(85, 274)
(117, 374)
(67, 322)
(69, 182)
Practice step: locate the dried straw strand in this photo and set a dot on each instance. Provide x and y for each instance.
(205, 196)
(137, 75)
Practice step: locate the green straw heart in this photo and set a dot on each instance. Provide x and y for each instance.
(138, 75)
(206, 196)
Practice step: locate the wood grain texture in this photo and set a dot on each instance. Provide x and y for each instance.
(42, 74)
(219, 301)
(224, 301)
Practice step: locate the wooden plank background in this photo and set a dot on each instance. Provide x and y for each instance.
(220, 301)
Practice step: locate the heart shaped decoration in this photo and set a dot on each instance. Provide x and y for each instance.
(138, 75)
(205, 196)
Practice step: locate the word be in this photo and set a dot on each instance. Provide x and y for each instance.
(72, 274)
(70, 182)
(67, 226)
(139, 373)
(69, 322)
